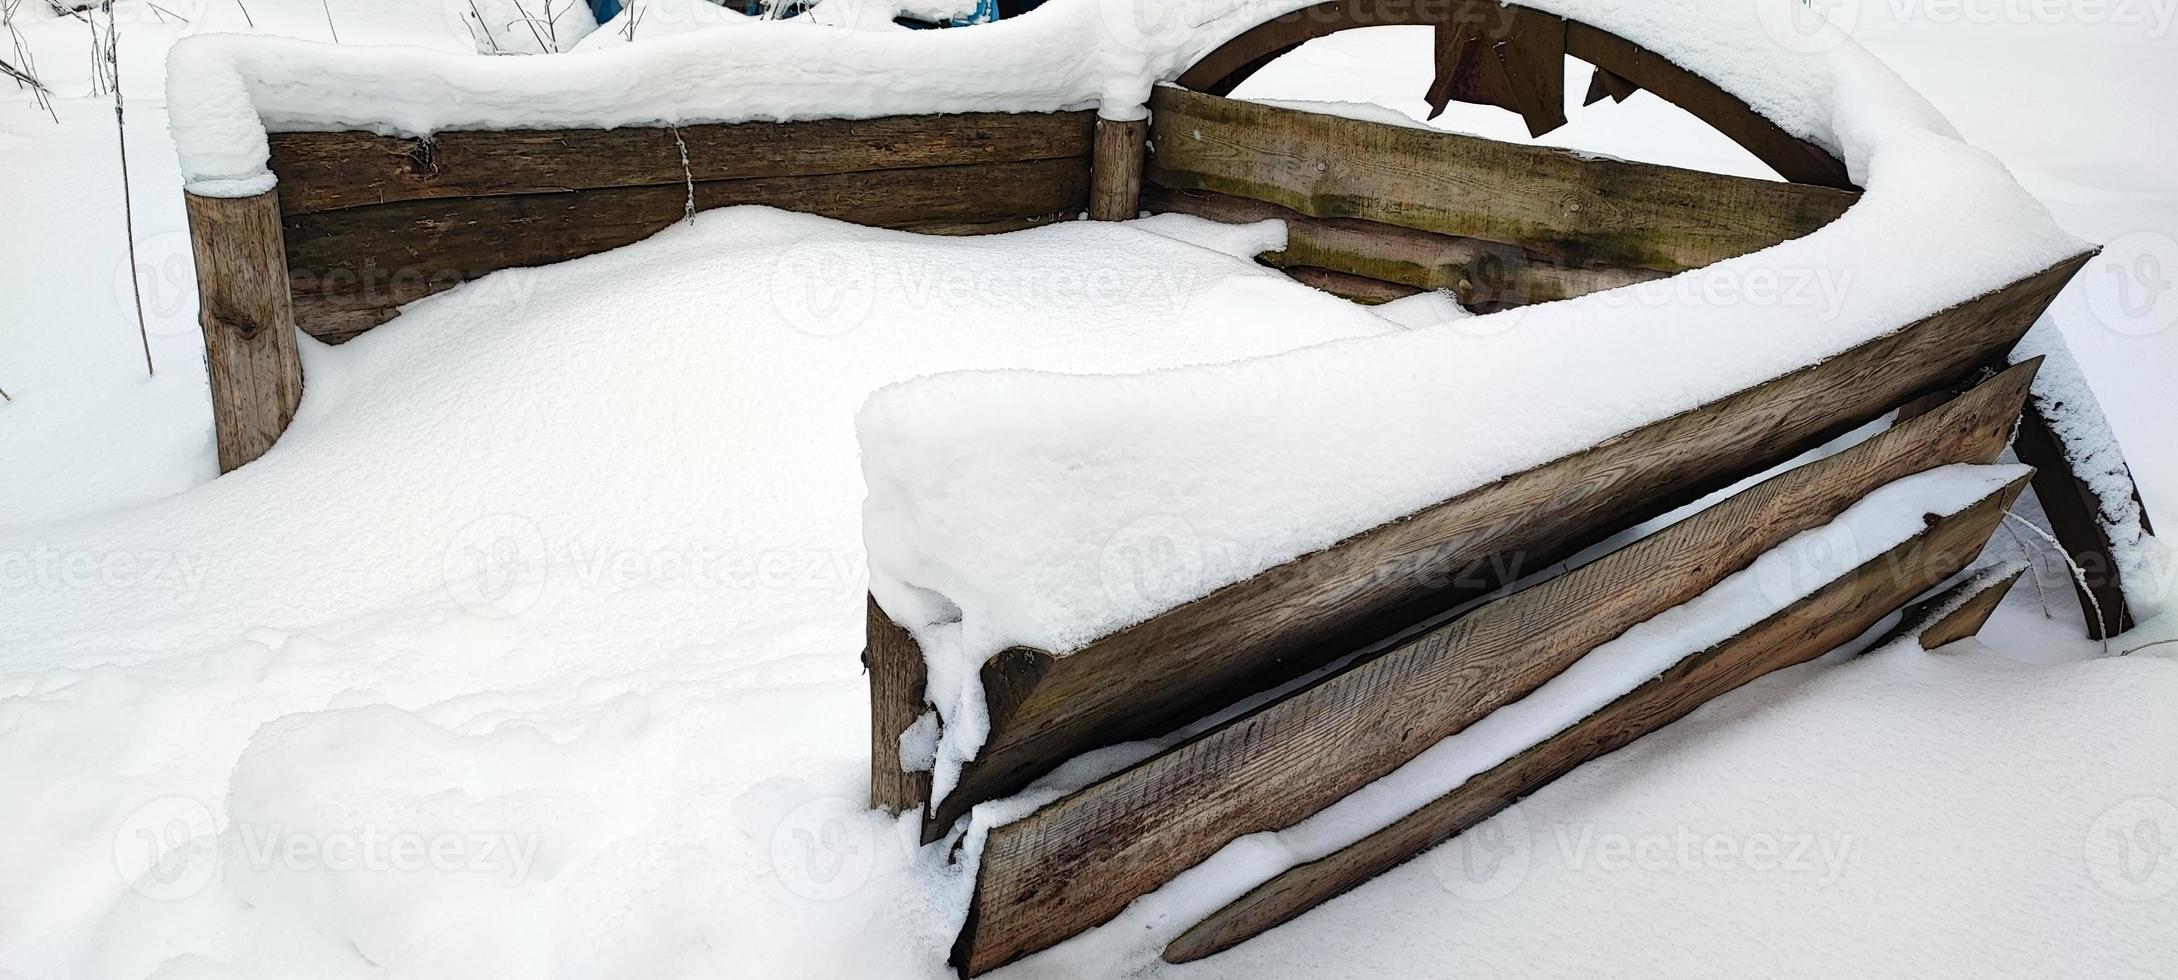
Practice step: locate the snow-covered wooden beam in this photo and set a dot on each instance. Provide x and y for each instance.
(1079, 861)
(1589, 210)
(1959, 611)
(1251, 635)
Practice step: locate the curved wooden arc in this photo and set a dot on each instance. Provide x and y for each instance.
(1511, 34)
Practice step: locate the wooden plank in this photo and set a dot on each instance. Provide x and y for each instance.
(1957, 612)
(327, 171)
(250, 353)
(1830, 617)
(1346, 285)
(2075, 519)
(1249, 636)
(1795, 159)
(1115, 175)
(1611, 212)
(350, 269)
(897, 679)
(1483, 275)
(1080, 860)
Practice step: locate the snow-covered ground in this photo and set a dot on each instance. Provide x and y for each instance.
(531, 649)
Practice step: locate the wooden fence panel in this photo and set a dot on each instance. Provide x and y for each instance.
(352, 267)
(1830, 617)
(1249, 636)
(1598, 211)
(1079, 861)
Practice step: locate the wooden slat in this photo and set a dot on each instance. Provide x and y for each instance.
(1079, 861)
(351, 268)
(1830, 617)
(1346, 285)
(1795, 159)
(1115, 173)
(1155, 676)
(1957, 612)
(1611, 212)
(1483, 275)
(250, 354)
(1517, 63)
(327, 171)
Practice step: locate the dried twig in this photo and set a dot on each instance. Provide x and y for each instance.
(4, 395)
(2144, 646)
(327, 6)
(128, 207)
(246, 18)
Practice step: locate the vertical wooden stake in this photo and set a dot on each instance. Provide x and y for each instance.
(1115, 169)
(248, 321)
(897, 678)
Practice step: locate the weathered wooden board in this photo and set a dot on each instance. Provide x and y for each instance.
(1483, 275)
(1796, 160)
(1251, 635)
(350, 268)
(250, 353)
(1830, 617)
(327, 171)
(1517, 63)
(1609, 212)
(1346, 285)
(1079, 861)
(1957, 612)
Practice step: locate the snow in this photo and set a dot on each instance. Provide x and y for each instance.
(685, 783)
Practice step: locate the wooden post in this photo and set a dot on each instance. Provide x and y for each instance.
(897, 678)
(2075, 511)
(248, 321)
(1115, 169)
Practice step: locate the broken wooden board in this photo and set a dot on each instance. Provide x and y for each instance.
(1155, 676)
(1517, 64)
(1484, 276)
(1079, 861)
(1594, 211)
(351, 268)
(1826, 619)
